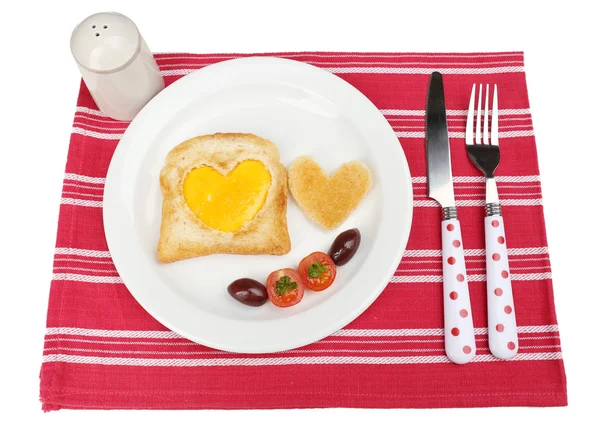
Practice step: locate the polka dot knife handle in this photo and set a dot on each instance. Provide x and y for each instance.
(458, 322)
(502, 324)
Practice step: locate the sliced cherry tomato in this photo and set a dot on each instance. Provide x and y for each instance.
(317, 271)
(285, 287)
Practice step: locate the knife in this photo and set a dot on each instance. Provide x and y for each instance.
(459, 336)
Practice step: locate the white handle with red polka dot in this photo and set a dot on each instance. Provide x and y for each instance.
(502, 324)
(458, 322)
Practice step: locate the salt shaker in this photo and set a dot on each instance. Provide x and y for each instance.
(115, 64)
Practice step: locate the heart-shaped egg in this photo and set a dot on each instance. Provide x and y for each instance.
(328, 200)
(226, 202)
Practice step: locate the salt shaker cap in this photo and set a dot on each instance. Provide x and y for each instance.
(105, 42)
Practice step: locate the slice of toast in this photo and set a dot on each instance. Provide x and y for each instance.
(328, 200)
(183, 235)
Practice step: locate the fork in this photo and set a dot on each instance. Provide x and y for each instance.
(484, 153)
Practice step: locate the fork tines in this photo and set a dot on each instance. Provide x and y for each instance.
(483, 137)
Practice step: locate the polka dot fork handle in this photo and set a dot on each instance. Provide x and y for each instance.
(459, 335)
(484, 152)
(502, 324)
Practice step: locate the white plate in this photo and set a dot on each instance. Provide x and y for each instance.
(304, 111)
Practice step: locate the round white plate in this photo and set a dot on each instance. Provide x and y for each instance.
(305, 111)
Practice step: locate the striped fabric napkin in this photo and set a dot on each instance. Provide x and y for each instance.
(103, 351)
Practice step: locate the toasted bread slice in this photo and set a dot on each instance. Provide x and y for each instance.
(328, 201)
(183, 235)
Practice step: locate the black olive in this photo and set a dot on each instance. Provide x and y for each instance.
(248, 291)
(345, 246)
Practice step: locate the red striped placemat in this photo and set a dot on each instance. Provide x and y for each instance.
(103, 351)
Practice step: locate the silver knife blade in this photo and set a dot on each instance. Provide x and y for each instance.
(439, 168)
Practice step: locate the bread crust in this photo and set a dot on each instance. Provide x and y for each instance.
(183, 235)
(326, 200)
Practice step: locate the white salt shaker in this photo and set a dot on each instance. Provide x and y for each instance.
(115, 64)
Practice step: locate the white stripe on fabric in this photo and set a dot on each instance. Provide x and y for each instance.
(88, 261)
(80, 202)
(431, 331)
(514, 251)
(388, 70)
(415, 179)
(402, 112)
(139, 343)
(439, 269)
(83, 187)
(479, 202)
(452, 129)
(111, 333)
(526, 260)
(87, 126)
(549, 346)
(477, 252)
(91, 111)
(400, 134)
(537, 329)
(197, 64)
(293, 351)
(83, 252)
(416, 203)
(534, 188)
(94, 134)
(168, 55)
(104, 118)
(405, 261)
(100, 195)
(451, 112)
(421, 332)
(481, 179)
(343, 341)
(398, 279)
(190, 343)
(454, 121)
(400, 270)
(338, 341)
(505, 134)
(212, 362)
(514, 126)
(83, 178)
(406, 112)
(483, 195)
(218, 352)
(87, 278)
(507, 186)
(403, 270)
(471, 278)
(83, 269)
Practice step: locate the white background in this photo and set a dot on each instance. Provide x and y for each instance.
(40, 82)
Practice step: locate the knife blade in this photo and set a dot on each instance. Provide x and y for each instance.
(459, 335)
(439, 167)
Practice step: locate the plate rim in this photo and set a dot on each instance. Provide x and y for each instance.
(338, 322)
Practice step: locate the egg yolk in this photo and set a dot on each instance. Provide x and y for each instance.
(225, 203)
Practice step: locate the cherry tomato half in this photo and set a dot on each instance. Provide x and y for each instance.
(285, 287)
(317, 271)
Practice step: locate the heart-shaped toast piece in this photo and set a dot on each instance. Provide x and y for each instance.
(328, 200)
(227, 202)
(223, 193)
